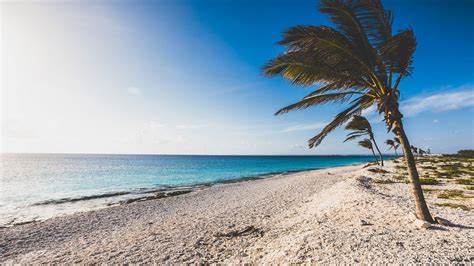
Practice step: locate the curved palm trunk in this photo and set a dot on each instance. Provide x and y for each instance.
(375, 157)
(395, 151)
(422, 211)
(377, 147)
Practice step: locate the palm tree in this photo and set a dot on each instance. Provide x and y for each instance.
(360, 126)
(366, 143)
(422, 152)
(393, 144)
(414, 149)
(359, 62)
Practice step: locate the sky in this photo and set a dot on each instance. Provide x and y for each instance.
(184, 77)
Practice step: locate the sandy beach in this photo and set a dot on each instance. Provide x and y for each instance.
(331, 215)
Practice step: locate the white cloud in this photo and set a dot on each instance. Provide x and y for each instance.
(435, 121)
(297, 147)
(190, 126)
(134, 91)
(303, 127)
(440, 102)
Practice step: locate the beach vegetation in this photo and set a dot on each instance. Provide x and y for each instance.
(385, 181)
(453, 205)
(358, 61)
(429, 181)
(464, 181)
(451, 194)
(377, 170)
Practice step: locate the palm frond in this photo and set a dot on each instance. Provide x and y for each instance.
(317, 100)
(346, 15)
(337, 86)
(306, 68)
(366, 143)
(352, 137)
(397, 53)
(359, 123)
(357, 106)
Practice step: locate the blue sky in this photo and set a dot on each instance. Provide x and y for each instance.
(183, 77)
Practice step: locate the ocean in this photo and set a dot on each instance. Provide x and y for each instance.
(40, 186)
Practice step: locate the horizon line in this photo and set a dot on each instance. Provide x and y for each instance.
(178, 154)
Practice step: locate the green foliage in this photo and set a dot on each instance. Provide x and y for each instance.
(377, 170)
(429, 181)
(384, 181)
(466, 153)
(464, 181)
(453, 205)
(469, 187)
(400, 178)
(366, 143)
(451, 193)
(357, 61)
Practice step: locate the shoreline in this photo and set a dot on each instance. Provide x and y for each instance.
(154, 193)
(328, 215)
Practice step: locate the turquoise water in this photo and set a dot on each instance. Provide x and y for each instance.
(37, 186)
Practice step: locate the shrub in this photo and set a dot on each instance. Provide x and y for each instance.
(451, 193)
(453, 205)
(377, 170)
(464, 181)
(429, 181)
(466, 153)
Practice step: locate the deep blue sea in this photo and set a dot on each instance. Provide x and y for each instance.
(39, 186)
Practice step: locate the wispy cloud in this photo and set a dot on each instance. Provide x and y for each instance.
(134, 91)
(440, 102)
(303, 127)
(190, 126)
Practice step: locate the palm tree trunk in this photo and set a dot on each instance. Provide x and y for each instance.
(377, 147)
(375, 157)
(422, 211)
(395, 151)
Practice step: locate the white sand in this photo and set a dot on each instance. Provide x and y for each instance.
(302, 217)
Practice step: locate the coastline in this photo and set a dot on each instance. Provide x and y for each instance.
(294, 217)
(122, 197)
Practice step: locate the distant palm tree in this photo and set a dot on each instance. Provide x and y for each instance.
(366, 143)
(393, 144)
(360, 126)
(414, 149)
(359, 61)
(422, 152)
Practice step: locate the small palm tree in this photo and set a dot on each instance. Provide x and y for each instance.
(392, 145)
(360, 126)
(422, 152)
(414, 149)
(366, 143)
(359, 61)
